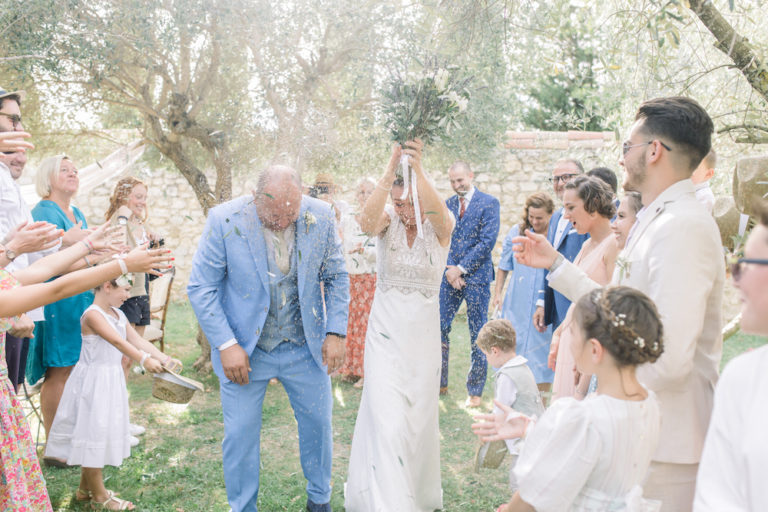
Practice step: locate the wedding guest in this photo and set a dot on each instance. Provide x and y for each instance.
(588, 206)
(360, 257)
(515, 384)
(270, 291)
(700, 178)
(608, 176)
(25, 241)
(674, 255)
(735, 459)
(325, 189)
(91, 427)
(56, 346)
(519, 302)
(551, 305)
(128, 208)
(23, 487)
(592, 454)
(626, 216)
(469, 272)
(394, 463)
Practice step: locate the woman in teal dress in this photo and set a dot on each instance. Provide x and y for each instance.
(519, 301)
(56, 346)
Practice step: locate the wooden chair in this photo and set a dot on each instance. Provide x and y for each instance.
(159, 298)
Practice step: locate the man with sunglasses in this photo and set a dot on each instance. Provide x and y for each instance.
(674, 255)
(551, 305)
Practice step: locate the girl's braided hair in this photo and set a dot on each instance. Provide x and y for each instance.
(625, 321)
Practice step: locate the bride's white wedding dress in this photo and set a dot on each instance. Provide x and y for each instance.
(394, 465)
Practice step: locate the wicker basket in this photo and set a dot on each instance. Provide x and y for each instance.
(174, 388)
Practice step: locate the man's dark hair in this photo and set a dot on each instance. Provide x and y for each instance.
(607, 175)
(14, 97)
(680, 122)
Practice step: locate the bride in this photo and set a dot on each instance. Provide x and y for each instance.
(395, 459)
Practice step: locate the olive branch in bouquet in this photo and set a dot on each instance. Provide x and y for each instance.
(427, 106)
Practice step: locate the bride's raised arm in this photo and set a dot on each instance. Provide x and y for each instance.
(374, 219)
(432, 203)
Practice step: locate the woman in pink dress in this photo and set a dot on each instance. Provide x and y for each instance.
(588, 204)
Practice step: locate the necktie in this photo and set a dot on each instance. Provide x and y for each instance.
(463, 207)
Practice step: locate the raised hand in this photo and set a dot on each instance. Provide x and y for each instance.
(33, 237)
(106, 238)
(11, 142)
(507, 424)
(413, 149)
(142, 259)
(534, 250)
(74, 234)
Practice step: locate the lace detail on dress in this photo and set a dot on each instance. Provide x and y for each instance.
(416, 269)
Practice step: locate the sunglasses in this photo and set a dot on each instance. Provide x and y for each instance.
(15, 119)
(627, 146)
(737, 268)
(565, 178)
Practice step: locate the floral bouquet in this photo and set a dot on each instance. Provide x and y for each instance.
(426, 107)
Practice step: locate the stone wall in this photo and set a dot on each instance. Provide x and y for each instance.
(175, 214)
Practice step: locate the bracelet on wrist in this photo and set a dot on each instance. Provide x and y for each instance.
(123, 266)
(144, 357)
(558, 261)
(87, 263)
(382, 187)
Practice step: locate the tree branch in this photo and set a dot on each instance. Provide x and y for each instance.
(734, 45)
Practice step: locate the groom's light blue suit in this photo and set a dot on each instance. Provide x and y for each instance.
(230, 291)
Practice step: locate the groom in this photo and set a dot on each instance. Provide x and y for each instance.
(271, 293)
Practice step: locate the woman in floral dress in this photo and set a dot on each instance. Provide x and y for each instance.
(22, 487)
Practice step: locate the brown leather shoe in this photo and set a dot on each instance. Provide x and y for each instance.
(474, 401)
(443, 390)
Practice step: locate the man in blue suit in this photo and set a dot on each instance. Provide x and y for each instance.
(469, 271)
(256, 289)
(552, 305)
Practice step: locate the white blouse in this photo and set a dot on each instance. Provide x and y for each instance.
(733, 472)
(589, 455)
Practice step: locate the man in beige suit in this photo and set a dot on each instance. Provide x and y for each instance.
(674, 255)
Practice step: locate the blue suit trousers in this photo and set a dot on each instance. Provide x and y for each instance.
(309, 391)
(477, 295)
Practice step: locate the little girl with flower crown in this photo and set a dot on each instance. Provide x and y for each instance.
(91, 424)
(592, 454)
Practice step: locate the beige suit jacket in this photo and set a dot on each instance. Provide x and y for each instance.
(674, 256)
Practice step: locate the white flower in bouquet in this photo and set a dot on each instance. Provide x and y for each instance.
(441, 78)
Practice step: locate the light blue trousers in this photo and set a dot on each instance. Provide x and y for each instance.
(309, 391)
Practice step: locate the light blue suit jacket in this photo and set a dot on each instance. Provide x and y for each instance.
(229, 283)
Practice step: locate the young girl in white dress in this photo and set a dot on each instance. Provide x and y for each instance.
(91, 424)
(593, 454)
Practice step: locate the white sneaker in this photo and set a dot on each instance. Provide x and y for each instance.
(134, 441)
(136, 430)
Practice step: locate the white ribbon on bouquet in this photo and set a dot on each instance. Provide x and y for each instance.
(410, 182)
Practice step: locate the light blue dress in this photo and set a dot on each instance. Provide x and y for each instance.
(518, 307)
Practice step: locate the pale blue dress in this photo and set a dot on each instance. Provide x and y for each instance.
(518, 307)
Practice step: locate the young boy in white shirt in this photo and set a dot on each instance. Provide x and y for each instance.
(515, 385)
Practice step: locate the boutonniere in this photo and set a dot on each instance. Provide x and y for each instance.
(309, 219)
(623, 266)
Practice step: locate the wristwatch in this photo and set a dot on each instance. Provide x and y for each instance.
(10, 254)
(342, 336)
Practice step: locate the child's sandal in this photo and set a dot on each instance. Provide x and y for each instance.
(121, 504)
(82, 495)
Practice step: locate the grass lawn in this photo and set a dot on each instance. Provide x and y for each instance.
(177, 465)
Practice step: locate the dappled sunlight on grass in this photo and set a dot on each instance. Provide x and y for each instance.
(338, 394)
